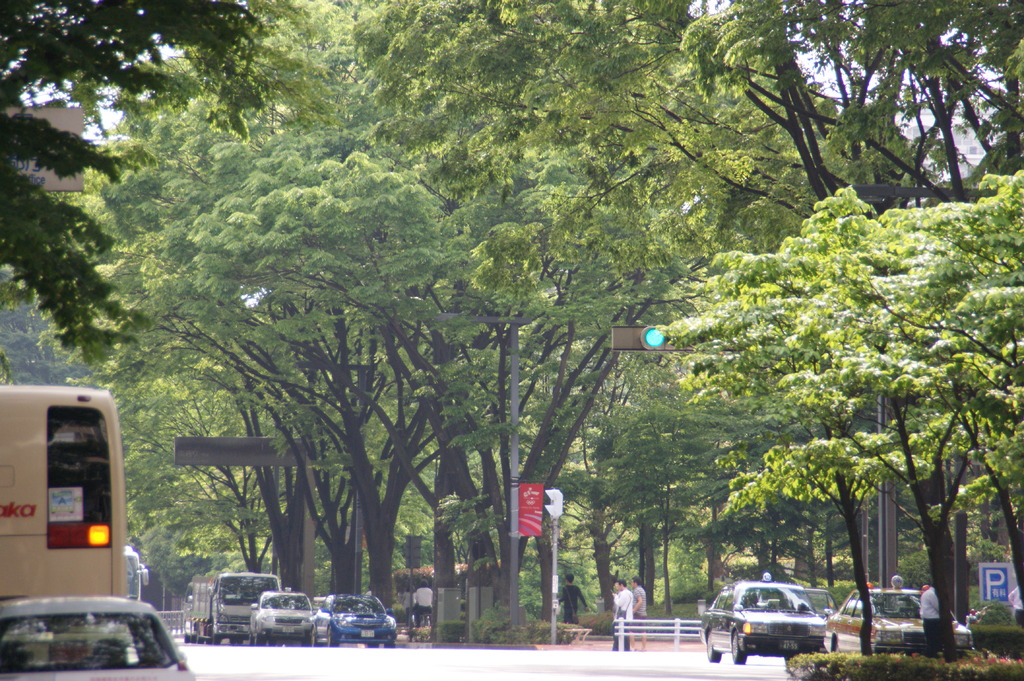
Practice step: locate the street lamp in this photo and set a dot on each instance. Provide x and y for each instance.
(513, 502)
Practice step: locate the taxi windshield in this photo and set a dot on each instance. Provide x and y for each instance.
(774, 599)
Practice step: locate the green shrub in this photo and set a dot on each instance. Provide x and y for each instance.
(494, 627)
(600, 623)
(841, 589)
(451, 631)
(690, 592)
(995, 612)
(851, 667)
(422, 634)
(1000, 640)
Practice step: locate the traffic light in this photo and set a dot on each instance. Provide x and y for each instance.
(653, 339)
(640, 339)
(413, 544)
(555, 507)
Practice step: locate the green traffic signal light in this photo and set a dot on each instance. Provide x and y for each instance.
(653, 339)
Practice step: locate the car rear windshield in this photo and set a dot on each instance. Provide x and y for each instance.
(906, 606)
(83, 641)
(359, 605)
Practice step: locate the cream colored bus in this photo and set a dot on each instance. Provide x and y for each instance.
(62, 495)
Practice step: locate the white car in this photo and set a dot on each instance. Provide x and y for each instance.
(281, 617)
(58, 637)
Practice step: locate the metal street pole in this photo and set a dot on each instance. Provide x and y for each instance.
(554, 580)
(513, 504)
(554, 509)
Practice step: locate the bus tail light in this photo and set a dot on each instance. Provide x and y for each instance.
(77, 535)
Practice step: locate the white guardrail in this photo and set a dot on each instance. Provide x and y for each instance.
(674, 629)
(174, 620)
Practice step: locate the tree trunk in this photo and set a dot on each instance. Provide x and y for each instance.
(849, 507)
(544, 549)
(598, 529)
(665, 571)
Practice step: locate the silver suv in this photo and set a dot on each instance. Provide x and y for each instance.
(281, 617)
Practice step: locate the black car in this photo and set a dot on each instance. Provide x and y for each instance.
(821, 600)
(765, 618)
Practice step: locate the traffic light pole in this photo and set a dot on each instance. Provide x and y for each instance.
(513, 501)
(554, 509)
(554, 580)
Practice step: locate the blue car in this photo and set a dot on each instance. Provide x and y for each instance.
(350, 618)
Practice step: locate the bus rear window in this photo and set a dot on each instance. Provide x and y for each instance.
(78, 478)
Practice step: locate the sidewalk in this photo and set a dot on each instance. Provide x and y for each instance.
(665, 645)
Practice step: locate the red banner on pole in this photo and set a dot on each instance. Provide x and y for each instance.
(531, 508)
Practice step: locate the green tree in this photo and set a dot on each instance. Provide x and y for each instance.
(743, 113)
(99, 55)
(910, 307)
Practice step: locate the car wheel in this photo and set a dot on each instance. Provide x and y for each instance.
(738, 656)
(713, 655)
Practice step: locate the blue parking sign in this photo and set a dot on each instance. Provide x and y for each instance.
(997, 580)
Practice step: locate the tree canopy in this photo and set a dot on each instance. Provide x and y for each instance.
(100, 56)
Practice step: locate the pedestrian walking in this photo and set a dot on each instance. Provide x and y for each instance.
(640, 609)
(571, 600)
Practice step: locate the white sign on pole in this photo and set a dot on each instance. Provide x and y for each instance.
(997, 580)
(62, 118)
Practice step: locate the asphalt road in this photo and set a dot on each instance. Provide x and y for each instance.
(592, 660)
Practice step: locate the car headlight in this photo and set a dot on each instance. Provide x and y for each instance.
(755, 628)
(269, 619)
(888, 636)
(343, 619)
(392, 622)
(817, 629)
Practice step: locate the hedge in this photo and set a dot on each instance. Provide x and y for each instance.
(999, 640)
(855, 667)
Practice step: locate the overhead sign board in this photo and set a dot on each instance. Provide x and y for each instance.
(68, 119)
(228, 451)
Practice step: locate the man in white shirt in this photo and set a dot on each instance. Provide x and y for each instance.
(422, 604)
(623, 611)
(930, 620)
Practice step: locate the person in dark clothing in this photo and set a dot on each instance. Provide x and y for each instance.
(571, 600)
